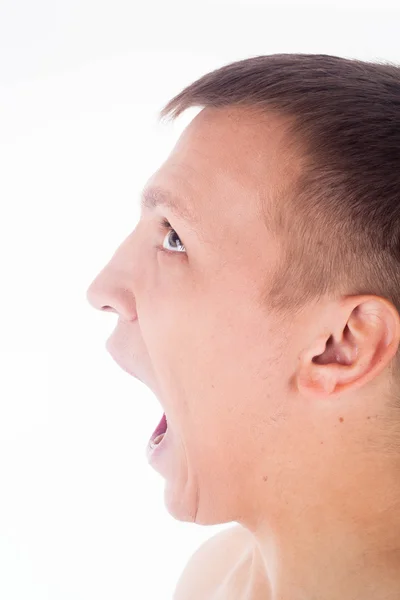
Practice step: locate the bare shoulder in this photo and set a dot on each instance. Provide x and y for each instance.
(212, 562)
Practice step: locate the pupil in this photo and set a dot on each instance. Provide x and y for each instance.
(174, 234)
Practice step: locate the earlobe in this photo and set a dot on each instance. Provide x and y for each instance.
(364, 339)
(313, 383)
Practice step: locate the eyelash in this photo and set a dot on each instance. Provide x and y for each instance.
(167, 227)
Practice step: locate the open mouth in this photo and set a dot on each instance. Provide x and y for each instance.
(159, 432)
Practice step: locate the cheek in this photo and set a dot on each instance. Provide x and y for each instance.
(233, 378)
(217, 370)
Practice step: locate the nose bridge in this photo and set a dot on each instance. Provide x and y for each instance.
(112, 290)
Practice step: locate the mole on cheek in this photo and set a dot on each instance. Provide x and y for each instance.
(341, 419)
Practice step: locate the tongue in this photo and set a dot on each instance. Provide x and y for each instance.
(161, 428)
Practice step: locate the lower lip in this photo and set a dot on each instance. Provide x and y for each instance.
(155, 454)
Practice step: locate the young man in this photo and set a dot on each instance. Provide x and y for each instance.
(259, 298)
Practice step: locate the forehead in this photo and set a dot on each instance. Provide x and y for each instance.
(226, 166)
(244, 144)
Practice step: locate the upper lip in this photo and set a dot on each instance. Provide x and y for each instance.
(123, 366)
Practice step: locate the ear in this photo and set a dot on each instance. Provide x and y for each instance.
(363, 338)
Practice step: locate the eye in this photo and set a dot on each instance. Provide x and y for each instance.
(171, 240)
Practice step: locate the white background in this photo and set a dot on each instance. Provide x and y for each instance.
(82, 515)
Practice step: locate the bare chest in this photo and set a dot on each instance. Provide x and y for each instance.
(245, 581)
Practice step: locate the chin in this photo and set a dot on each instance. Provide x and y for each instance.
(186, 508)
(179, 505)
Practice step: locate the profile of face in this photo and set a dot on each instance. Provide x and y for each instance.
(192, 327)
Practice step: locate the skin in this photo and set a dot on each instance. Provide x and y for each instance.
(275, 426)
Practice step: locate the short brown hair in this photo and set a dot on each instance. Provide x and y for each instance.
(344, 235)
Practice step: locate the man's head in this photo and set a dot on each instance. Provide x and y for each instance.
(267, 321)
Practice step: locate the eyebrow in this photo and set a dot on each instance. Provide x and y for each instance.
(154, 196)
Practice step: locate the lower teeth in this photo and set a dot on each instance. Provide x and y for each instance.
(157, 440)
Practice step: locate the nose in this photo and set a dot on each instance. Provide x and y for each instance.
(111, 291)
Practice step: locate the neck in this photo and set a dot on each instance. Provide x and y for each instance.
(339, 543)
